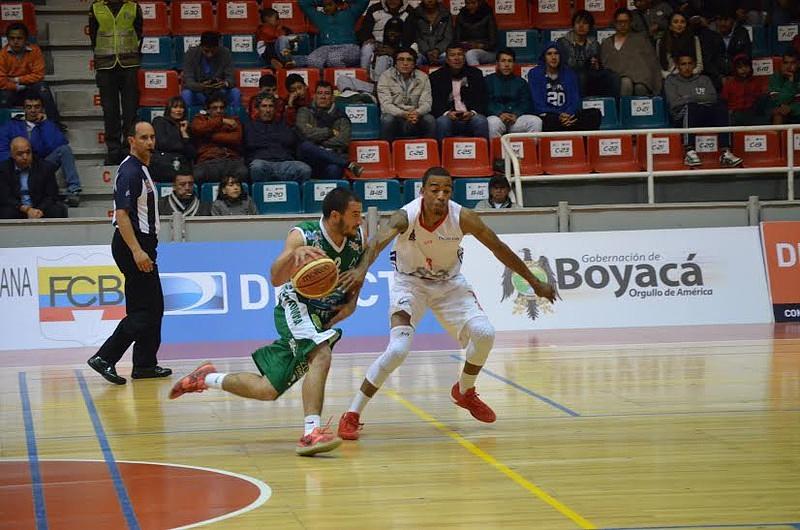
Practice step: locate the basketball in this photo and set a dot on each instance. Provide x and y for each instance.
(316, 278)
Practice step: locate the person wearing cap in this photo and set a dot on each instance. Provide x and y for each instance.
(207, 70)
(499, 195)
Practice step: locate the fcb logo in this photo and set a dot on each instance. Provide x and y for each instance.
(195, 293)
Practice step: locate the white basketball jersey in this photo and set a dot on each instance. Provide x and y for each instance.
(432, 253)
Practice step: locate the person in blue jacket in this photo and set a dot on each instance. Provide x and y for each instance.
(556, 95)
(337, 42)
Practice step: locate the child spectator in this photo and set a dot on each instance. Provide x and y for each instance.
(232, 199)
(745, 97)
(275, 42)
(267, 85)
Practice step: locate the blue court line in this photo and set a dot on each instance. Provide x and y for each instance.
(113, 469)
(796, 526)
(521, 388)
(39, 507)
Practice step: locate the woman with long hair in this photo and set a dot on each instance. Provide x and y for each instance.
(174, 148)
(678, 41)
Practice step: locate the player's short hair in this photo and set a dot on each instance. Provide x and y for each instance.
(435, 171)
(337, 200)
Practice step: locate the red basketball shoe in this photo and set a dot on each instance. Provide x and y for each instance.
(470, 401)
(194, 382)
(321, 440)
(349, 426)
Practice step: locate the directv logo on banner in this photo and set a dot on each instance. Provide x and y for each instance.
(194, 293)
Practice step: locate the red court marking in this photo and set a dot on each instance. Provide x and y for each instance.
(79, 494)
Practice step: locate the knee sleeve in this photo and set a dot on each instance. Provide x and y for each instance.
(480, 333)
(396, 352)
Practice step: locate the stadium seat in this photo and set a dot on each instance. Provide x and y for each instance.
(759, 149)
(364, 119)
(412, 158)
(11, 12)
(602, 10)
(181, 45)
(243, 50)
(315, 190)
(707, 148)
(781, 36)
(5, 116)
(411, 189)
(383, 194)
(290, 14)
(523, 69)
(763, 68)
(374, 156)
(608, 107)
(550, 14)
(487, 69)
(642, 112)
(470, 191)
(247, 81)
(150, 113)
(604, 33)
(157, 52)
(192, 17)
(237, 16)
(796, 143)
(277, 197)
(209, 191)
(612, 154)
(466, 156)
(332, 75)
(157, 86)
(563, 155)
(509, 13)
(554, 34)
(526, 44)
(155, 19)
(163, 189)
(526, 151)
(667, 152)
(309, 75)
(758, 36)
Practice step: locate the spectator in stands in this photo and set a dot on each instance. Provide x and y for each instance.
(556, 95)
(433, 31)
(219, 141)
(631, 56)
(510, 109)
(476, 31)
(297, 99)
(371, 34)
(336, 42)
(396, 35)
(784, 91)
(275, 43)
(745, 96)
(783, 12)
(207, 70)
(47, 142)
(735, 41)
(404, 93)
(693, 102)
(232, 199)
(499, 195)
(459, 97)
(271, 144)
(174, 146)
(325, 134)
(267, 85)
(115, 29)
(678, 41)
(183, 199)
(28, 188)
(581, 52)
(651, 18)
(22, 72)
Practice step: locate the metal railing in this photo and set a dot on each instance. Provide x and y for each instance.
(512, 162)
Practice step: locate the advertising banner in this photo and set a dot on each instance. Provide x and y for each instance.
(782, 256)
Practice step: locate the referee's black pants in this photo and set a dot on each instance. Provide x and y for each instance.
(144, 303)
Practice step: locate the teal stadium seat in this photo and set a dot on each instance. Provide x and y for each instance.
(243, 50)
(5, 116)
(642, 112)
(382, 194)
(411, 189)
(208, 192)
(165, 188)
(181, 44)
(469, 191)
(761, 44)
(608, 106)
(158, 52)
(315, 190)
(364, 118)
(150, 113)
(277, 197)
(782, 35)
(526, 43)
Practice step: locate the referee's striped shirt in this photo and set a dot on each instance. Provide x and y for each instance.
(134, 191)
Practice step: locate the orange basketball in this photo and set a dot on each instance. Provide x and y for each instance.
(317, 278)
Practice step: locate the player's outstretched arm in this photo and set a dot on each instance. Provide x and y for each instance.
(398, 223)
(294, 253)
(471, 223)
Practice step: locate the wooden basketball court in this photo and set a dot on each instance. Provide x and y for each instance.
(659, 428)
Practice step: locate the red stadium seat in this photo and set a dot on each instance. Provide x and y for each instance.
(332, 75)
(549, 14)
(247, 82)
(526, 150)
(763, 68)
(237, 16)
(374, 156)
(707, 147)
(310, 75)
(510, 14)
(602, 11)
(157, 86)
(466, 156)
(667, 152)
(11, 12)
(290, 14)
(192, 17)
(759, 149)
(412, 158)
(155, 19)
(612, 154)
(563, 155)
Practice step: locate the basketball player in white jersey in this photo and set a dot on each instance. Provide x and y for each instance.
(427, 258)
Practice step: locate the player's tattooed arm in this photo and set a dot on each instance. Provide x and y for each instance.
(471, 223)
(398, 223)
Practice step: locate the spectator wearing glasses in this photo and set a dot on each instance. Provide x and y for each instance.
(632, 58)
(404, 93)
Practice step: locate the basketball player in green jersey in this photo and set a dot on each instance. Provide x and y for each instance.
(305, 326)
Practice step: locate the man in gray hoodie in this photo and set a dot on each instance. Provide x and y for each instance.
(693, 102)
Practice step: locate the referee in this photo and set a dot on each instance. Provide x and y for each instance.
(134, 250)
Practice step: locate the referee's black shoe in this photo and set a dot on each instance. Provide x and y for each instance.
(147, 373)
(108, 371)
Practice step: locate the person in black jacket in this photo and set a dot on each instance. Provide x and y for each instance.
(721, 46)
(464, 112)
(28, 188)
(174, 147)
(476, 30)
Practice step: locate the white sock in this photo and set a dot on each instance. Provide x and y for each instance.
(360, 401)
(214, 380)
(466, 381)
(312, 422)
